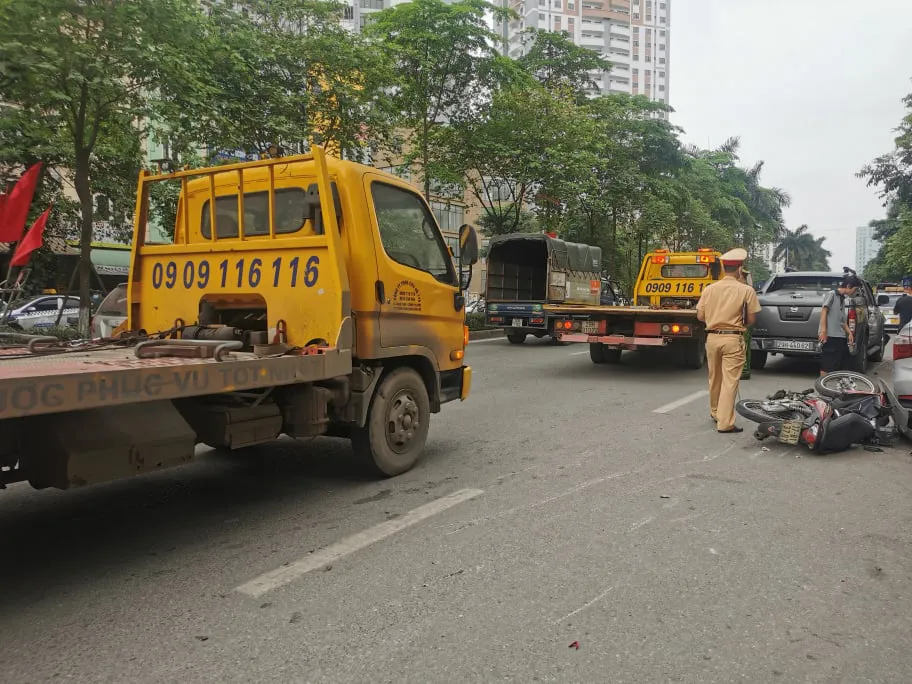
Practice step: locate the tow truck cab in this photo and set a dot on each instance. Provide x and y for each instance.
(675, 280)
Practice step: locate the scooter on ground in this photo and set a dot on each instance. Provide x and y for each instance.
(843, 409)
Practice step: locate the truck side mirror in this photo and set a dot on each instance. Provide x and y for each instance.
(883, 300)
(468, 245)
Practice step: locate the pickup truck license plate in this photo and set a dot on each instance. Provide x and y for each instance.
(796, 345)
(790, 432)
(590, 327)
(517, 322)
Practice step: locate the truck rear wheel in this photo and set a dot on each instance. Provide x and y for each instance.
(600, 353)
(392, 440)
(692, 354)
(516, 337)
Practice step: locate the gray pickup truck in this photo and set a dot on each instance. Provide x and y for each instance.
(789, 322)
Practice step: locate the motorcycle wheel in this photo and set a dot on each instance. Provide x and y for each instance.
(837, 383)
(753, 410)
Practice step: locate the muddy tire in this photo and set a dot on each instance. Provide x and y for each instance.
(860, 360)
(836, 383)
(393, 439)
(600, 353)
(752, 409)
(878, 356)
(692, 354)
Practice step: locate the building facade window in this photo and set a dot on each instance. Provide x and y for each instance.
(449, 216)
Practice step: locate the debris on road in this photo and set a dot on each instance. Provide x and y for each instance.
(575, 645)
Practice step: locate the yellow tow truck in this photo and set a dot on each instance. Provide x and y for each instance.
(663, 316)
(302, 295)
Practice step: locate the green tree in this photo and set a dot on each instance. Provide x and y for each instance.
(892, 172)
(560, 65)
(802, 251)
(79, 74)
(623, 195)
(879, 269)
(280, 72)
(445, 58)
(520, 144)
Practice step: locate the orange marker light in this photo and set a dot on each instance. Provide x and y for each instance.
(465, 336)
(676, 328)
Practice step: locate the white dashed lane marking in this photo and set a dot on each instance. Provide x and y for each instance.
(288, 573)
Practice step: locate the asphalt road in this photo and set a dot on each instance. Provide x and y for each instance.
(668, 552)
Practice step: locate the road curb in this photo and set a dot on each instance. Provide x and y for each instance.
(475, 335)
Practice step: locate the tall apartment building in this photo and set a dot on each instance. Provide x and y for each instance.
(634, 35)
(866, 247)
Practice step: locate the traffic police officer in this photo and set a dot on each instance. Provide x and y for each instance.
(727, 307)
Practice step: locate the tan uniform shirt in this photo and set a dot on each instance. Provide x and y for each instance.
(722, 302)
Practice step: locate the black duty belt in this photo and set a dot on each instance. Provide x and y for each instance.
(725, 332)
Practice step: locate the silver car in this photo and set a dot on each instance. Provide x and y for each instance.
(902, 366)
(111, 312)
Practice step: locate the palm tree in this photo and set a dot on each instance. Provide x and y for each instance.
(790, 245)
(802, 250)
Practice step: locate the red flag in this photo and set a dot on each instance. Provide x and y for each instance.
(17, 206)
(31, 241)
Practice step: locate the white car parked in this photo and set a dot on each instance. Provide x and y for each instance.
(43, 312)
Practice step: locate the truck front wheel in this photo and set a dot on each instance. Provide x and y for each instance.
(391, 441)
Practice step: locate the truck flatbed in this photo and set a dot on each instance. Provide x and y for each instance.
(37, 384)
(587, 309)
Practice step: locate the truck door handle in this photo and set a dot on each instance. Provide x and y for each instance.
(381, 291)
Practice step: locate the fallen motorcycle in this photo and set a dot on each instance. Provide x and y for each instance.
(843, 409)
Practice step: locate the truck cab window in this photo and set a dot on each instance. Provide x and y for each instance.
(290, 214)
(409, 234)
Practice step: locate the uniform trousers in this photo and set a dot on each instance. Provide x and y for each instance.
(725, 359)
(746, 371)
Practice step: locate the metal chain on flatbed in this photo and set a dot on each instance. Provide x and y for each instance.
(156, 345)
(46, 345)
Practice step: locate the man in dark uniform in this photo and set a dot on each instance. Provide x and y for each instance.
(728, 307)
(903, 306)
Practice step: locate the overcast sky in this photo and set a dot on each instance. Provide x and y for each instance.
(812, 87)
